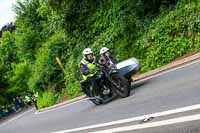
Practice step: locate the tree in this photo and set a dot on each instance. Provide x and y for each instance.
(7, 57)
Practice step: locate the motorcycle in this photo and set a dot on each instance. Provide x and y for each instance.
(114, 81)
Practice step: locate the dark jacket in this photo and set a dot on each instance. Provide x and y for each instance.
(104, 60)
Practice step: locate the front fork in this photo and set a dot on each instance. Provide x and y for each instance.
(112, 81)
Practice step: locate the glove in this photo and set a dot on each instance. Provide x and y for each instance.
(91, 71)
(98, 76)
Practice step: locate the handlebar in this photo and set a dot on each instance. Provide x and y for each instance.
(109, 69)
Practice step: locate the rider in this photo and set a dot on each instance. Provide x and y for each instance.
(88, 70)
(35, 98)
(106, 59)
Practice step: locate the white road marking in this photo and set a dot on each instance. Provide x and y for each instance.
(62, 106)
(152, 124)
(168, 71)
(164, 113)
(16, 117)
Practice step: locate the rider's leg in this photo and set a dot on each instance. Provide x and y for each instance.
(86, 88)
(94, 85)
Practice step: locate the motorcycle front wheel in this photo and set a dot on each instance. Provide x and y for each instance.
(122, 87)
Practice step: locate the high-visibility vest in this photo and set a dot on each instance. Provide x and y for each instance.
(90, 66)
(27, 99)
(36, 95)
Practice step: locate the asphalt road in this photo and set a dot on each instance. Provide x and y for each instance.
(170, 100)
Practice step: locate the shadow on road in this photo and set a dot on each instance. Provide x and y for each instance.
(135, 88)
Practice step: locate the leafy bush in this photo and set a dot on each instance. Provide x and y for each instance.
(46, 72)
(47, 98)
(170, 35)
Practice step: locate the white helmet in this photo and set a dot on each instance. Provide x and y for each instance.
(87, 51)
(104, 50)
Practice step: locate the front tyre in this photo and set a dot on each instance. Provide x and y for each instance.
(122, 87)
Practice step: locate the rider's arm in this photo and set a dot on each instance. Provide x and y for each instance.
(84, 70)
(113, 59)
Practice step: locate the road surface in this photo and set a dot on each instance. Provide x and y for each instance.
(166, 103)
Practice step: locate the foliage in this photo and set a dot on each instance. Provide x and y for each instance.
(156, 32)
(47, 98)
(7, 57)
(19, 79)
(166, 41)
(46, 72)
